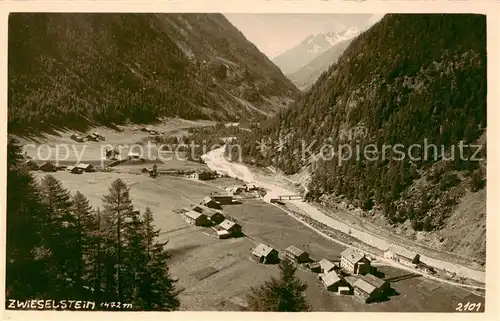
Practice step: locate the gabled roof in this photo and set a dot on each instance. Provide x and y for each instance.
(294, 250)
(402, 252)
(194, 215)
(205, 210)
(221, 194)
(83, 165)
(352, 255)
(208, 199)
(373, 280)
(47, 163)
(227, 224)
(326, 265)
(365, 286)
(330, 278)
(262, 250)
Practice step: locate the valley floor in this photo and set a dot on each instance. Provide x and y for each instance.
(216, 274)
(216, 161)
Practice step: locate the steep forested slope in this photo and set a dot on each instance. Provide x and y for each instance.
(65, 69)
(410, 79)
(308, 74)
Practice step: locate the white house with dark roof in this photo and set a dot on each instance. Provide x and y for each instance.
(354, 261)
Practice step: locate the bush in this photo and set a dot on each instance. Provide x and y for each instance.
(449, 180)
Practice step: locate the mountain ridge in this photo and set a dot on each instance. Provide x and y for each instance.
(70, 69)
(310, 48)
(407, 80)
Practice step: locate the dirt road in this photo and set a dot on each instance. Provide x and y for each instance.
(216, 161)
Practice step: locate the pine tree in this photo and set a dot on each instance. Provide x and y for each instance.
(158, 291)
(284, 294)
(134, 259)
(59, 232)
(118, 208)
(27, 257)
(95, 260)
(85, 225)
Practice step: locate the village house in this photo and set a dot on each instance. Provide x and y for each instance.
(74, 170)
(92, 137)
(297, 255)
(235, 190)
(332, 281)
(232, 228)
(266, 254)
(326, 266)
(370, 288)
(194, 175)
(425, 268)
(402, 255)
(99, 136)
(77, 138)
(222, 198)
(209, 202)
(207, 175)
(251, 187)
(215, 216)
(47, 167)
(223, 234)
(134, 155)
(86, 167)
(196, 219)
(344, 290)
(315, 267)
(354, 262)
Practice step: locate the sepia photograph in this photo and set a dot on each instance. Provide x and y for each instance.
(282, 162)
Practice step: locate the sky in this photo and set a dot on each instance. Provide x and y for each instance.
(275, 33)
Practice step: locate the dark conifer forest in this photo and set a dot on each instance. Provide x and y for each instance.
(408, 79)
(74, 70)
(60, 248)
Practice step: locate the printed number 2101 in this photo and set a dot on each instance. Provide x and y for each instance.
(469, 306)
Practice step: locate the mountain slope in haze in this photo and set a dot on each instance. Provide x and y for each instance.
(411, 79)
(69, 69)
(308, 74)
(310, 48)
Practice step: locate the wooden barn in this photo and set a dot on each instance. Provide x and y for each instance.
(266, 254)
(370, 288)
(196, 219)
(297, 255)
(233, 228)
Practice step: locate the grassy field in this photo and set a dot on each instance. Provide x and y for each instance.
(213, 274)
(61, 147)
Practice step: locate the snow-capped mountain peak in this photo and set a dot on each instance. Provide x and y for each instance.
(311, 47)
